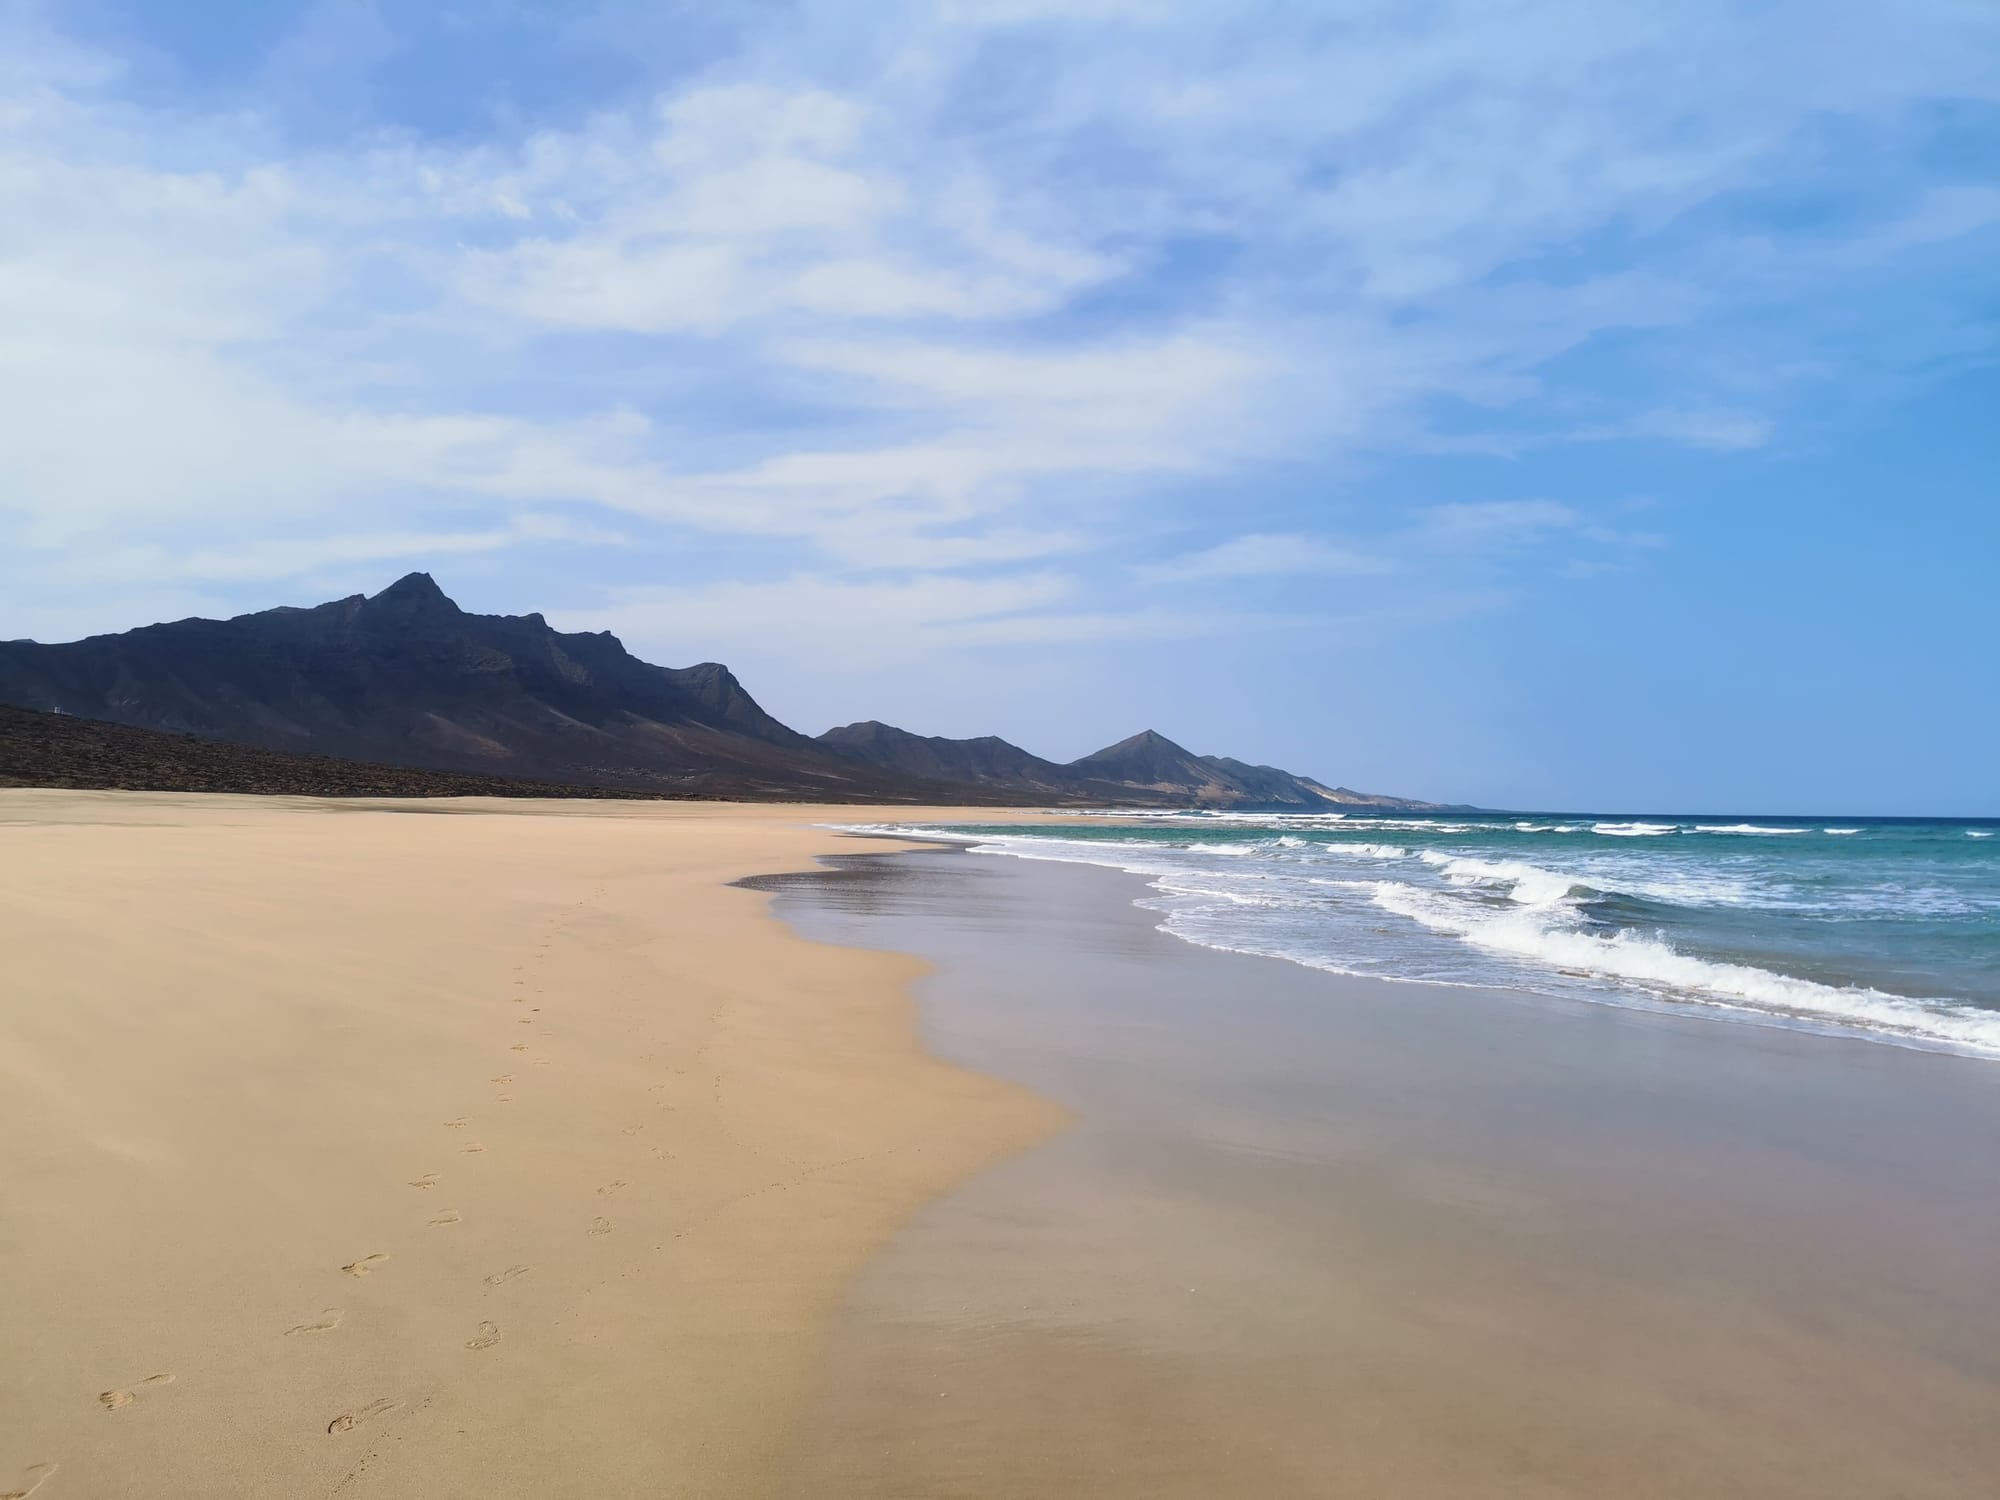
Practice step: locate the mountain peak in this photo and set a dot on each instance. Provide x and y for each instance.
(413, 595)
(413, 586)
(1144, 740)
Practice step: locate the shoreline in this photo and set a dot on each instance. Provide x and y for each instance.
(452, 1148)
(1314, 1234)
(1706, 985)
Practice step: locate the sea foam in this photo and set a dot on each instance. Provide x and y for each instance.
(1636, 917)
(1656, 966)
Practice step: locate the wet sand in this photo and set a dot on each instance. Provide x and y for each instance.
(437, 1149)
(1324, 1237)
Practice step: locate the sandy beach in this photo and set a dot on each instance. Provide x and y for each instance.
(468, 1148)
(437, 1149)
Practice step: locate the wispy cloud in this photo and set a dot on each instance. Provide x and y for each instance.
(1268, 555)
(1502, 528)
(922, 309)
(1483, 523)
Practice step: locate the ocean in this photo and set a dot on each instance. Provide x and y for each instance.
(1882, 928)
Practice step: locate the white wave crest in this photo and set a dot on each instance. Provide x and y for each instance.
(1531, 885)
(1634, 830)
(1543, 936)
(1529, 918)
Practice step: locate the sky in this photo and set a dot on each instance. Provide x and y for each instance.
(1523, 402)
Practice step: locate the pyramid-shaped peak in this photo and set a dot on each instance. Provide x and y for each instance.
(1145, 739)
(414, 586)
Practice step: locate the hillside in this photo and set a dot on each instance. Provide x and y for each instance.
(1146, 770)
(405, 678)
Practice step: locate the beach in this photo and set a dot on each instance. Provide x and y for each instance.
(460, 1147)
(437, 1148)
(1321, 1235)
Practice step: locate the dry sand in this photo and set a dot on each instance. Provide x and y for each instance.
(438, 1149)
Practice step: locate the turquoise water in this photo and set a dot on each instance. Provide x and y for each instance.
(1888, 928)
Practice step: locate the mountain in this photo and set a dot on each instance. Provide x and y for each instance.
(405, 678)
(985, 761)
(1150, 761)
(987, 758)
(1148, 768)
(59, 750)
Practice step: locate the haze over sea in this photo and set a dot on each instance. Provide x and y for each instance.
(1887, 928)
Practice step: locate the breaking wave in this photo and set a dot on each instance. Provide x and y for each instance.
(1895, 935)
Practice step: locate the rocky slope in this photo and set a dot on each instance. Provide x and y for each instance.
(59, 750)
(406, 678)
(1147, 769)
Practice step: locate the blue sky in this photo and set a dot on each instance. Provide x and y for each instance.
(1536, 404)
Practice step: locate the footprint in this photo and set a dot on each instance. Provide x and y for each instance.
(326, 1322)
(525, 1021)
(489, 1335)
(426, 1182)
(503, 1078)
(459, 1124)
(32, 1479)
(449, 1216)
(474, 1148)
(348, 1420)
(518, 1047)
(610, 1188)
(632, 1129)
(364, 1265)
(500, 1278)
(600, 1225)
(114, 1399)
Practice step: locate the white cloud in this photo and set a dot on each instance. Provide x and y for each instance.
(279, 557)
(853, 626)
(1496, 528)
(1268, 555)
(871, 307)
(751, 204)
(1723, 431)
(823, 614)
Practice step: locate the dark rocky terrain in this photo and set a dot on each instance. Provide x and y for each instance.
(407, 678)
(360, 695)
(984, 761)
(60, 750)
(1147, 769)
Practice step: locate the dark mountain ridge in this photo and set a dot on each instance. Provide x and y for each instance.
(407, 678)
(986, 760)
(40, 749)
(1147, 769)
